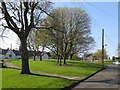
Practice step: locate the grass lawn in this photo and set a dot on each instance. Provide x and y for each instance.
(74, 68)
(0, 78)
(106, 62)
(12, 79)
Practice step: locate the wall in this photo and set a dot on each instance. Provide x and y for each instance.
(45, 56)
(10, 52)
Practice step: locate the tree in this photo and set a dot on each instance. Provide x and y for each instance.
(40, 41)
(70, 32)
(36, 43)
(31, 45)
(75, 57)
(53, 56)
(22, 17)
(98, 54)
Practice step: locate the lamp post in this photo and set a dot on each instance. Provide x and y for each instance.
(103, 48)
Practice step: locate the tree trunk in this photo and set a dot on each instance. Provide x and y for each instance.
(71, 56)
(65, 54)
(40, 57)
(60, 62)
(64, 60)
(24, 56)
(34, 57)
(58, 59)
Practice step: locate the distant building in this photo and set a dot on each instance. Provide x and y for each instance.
(8, 53)
(90, 57)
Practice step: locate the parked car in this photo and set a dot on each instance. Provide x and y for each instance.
(116, 62)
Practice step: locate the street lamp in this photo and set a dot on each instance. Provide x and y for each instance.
(103, 45)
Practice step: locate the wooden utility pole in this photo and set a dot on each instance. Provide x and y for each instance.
(102, 47)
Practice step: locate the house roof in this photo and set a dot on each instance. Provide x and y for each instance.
(48, 54)
(4, 51)
(88, 55)
(16, 52)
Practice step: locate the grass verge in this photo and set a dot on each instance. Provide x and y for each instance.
(0, 78)
(12, 79)
(74, 68)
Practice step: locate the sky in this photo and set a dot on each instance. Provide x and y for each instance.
(119, 24)
(104, 15)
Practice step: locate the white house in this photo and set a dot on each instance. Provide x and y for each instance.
(10, 54)
(6, 53)
(16, 54)
(1, 53)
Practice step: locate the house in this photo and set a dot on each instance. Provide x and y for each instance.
(89, 57)
(9, 53)
(1, 53)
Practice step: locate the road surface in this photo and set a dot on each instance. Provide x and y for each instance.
(107, 78)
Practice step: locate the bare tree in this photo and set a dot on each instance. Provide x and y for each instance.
(36, 42)
(21, 17)
(31, 45)
(40, 42)
(70, 32)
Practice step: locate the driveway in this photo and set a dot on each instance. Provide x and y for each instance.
(108, 78)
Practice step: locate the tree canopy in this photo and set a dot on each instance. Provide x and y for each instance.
(98, 54)
(70, 32)
(21, 18)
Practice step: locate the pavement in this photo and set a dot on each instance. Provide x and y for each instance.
(107, 78)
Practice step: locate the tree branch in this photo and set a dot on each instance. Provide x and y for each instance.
(25, 15)
(8, 19)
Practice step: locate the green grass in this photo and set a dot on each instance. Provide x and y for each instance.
(106, 62)
(12, 79)
(74, 68)
(0, 78)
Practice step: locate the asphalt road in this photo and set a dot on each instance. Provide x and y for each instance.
(107, 78)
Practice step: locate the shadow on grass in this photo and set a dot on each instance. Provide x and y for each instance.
(34, 74)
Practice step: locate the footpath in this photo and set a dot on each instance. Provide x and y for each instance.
(107, 78)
